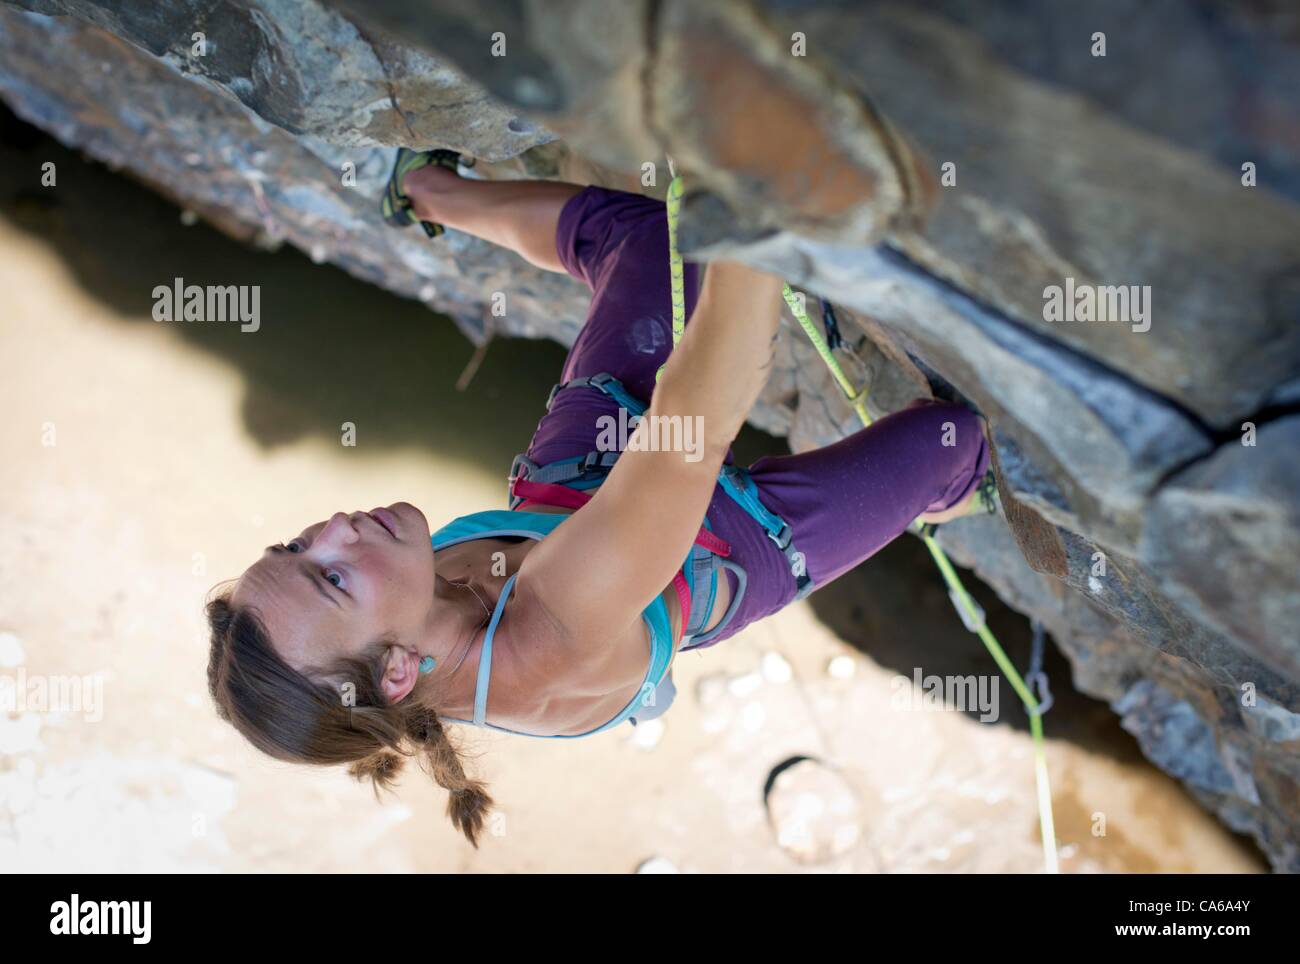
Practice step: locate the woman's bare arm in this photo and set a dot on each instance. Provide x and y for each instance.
(634, 534)
(725, 355)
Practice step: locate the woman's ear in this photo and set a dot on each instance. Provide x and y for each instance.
(401, 671)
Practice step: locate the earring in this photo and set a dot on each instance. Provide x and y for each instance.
(427, 663)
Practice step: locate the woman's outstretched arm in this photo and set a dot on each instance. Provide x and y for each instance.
(519, 215)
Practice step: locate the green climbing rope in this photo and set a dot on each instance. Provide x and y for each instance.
(676, 283)
(857, 399)
(971, 614)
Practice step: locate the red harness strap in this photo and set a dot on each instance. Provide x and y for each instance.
(548, 493)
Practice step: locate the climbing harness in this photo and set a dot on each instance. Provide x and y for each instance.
(971, 614)
(562, 483)
(708, 552)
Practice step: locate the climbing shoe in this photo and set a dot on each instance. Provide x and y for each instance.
(395, 206)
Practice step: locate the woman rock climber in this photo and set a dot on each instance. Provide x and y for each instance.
(357, 640)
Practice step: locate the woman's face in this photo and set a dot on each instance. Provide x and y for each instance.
(342, 584)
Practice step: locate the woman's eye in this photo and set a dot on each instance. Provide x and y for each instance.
(334, 578)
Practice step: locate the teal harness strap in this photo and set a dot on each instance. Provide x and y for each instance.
(602, 382)
(574, 469)
(778, 530)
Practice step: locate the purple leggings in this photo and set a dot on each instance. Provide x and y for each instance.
(843, 502)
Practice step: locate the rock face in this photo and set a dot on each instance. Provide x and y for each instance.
(934, 170)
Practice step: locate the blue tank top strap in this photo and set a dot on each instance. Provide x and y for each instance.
(497, 523)
(485, 658)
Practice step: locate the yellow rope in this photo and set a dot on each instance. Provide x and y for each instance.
(1046, 825)
(857, 399)
(676, 284)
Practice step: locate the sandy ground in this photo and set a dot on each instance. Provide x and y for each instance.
(141, 463)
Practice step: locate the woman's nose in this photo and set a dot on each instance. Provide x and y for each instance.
(339, 531)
